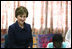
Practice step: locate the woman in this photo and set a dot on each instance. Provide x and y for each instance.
(57, 42)
(19, 33)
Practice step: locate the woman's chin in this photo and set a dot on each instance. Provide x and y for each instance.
(22, 22)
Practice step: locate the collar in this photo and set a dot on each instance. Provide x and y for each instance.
(19, 28)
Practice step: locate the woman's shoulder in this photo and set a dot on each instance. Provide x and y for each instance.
(12, 25)
(27, 24)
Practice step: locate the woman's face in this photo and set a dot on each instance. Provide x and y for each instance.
(21, 19)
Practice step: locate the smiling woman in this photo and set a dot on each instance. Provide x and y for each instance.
(19, 33)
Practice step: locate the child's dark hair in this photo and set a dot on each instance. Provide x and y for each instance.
(57, 38)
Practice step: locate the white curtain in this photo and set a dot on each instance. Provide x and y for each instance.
(59, 11)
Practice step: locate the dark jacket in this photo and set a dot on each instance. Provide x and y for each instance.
(18, 37)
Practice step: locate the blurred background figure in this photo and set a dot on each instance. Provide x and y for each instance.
(68, 38)
(57, 42)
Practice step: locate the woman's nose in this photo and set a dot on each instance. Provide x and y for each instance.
(22, 18)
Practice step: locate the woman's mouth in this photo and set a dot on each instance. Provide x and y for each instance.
(22, 20)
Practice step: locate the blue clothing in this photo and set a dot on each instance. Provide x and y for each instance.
(18, 37)
(50, 45)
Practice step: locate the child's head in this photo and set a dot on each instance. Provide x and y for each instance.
(57, 40)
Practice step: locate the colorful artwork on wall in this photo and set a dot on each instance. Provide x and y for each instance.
(43, 40)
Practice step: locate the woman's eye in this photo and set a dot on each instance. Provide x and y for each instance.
(20, 16)
(24, 16)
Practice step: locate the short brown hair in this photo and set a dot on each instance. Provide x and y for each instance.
(20, 11)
